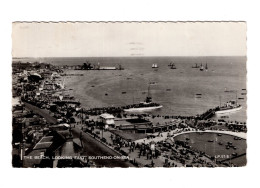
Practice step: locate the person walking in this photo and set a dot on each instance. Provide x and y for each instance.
(152, 163)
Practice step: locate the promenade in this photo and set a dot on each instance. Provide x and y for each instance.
(177, 132)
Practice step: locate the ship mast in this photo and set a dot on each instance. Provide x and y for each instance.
(149, 94)
(148, 98)
(236, 98)
(134, 97)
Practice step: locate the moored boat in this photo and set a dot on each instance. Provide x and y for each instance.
(230, 106)
(201, 67)
(147, 105)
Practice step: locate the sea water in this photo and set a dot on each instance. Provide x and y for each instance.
(176, 89)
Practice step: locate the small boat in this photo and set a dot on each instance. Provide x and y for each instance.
(234, 147)
(201, 67)
(173, 66)
(240, 98)
(243, 93)
(227, 147)
(92, 86)
(234, 154)
(198, 93)
(229, 143)
(244, 89)
(123, 92)
(155, 66)
(220, 143)
(106, 94)
(168, 89)
(210, 140)
(219, 134)
(206, 67)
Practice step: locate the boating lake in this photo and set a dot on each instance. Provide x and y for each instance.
(200, 141)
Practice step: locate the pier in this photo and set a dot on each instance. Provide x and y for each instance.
(208, 114)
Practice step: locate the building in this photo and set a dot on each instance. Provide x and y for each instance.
(107, 119)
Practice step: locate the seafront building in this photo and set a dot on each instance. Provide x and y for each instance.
(107, 119)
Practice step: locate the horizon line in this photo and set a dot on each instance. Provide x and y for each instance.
(131, 56)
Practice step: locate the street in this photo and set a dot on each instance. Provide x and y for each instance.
(92, 147)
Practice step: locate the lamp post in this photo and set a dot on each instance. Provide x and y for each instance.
(102, 129)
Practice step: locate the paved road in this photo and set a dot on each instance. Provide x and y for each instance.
(42, 112)
(93, 147)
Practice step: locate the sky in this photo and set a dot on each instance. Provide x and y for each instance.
(128, 39)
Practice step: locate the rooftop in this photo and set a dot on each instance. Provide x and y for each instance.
(42, 145)
(107, 116)
(46, 139)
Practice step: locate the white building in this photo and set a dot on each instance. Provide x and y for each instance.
(107, 119)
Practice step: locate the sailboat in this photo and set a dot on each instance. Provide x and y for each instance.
(154, 65)
(201, 67)
(173, 66)
(206, 67)
(147, 105)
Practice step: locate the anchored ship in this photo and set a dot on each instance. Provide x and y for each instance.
(147, 105)
(230, 106)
